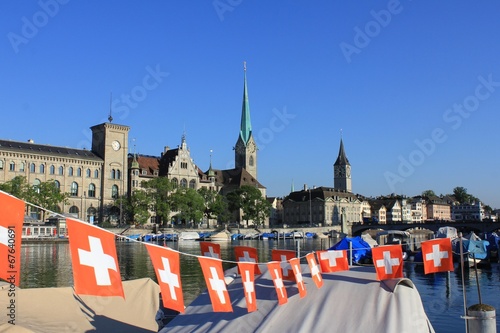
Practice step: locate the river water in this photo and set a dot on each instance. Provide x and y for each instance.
(49, 265)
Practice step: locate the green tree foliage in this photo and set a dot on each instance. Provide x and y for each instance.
(15, 187)
(461, 195)
(215, 205)
(250, 200)
(189, 203)
(138, 207)
(428, 193)
(158, 191)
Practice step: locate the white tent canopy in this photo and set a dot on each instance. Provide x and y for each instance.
(349, 301)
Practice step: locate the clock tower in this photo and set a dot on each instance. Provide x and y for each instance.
(245, 150)
(110, 142)
(342, 171)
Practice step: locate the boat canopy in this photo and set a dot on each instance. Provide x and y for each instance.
(361, 250)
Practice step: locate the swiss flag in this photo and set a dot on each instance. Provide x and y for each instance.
(247, 271)
(315, 271)
(295, 263)
(214, 279)
(93, 257)
(11, 228)
(333, 261)
(209, 249)
(437, 255)
(166, 264)
(274, 268)
(283, 256)
(388, 261)
(247, 254)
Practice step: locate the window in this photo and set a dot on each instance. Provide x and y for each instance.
(113, 173)
(52, 169)
(74, 210)
(192, 184)
(175, 182)
(21, 167)
(136, 172)
(1, 165)
(96, 173)
(61, 171)
(57, 185)
(184, 165)
(118, 174)
(183, 183)
(70, 171)
(36, 185)
(87, 173)
(74, 189)
(91, 191)
(32, 167)
(251, 161)
(42, 168)
(79, 172)
(12, 166)
(114, 192)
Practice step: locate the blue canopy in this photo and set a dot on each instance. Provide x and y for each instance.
(361, 250)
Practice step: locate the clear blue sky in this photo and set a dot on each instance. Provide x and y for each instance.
(414, 86)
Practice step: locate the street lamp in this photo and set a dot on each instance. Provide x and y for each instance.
(310, 209)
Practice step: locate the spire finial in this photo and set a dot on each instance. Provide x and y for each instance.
(245, 66)
(110, 118)
(341, 133)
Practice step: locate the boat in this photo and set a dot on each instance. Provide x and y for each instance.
(219, 236)
(189, 235)
(391, 237)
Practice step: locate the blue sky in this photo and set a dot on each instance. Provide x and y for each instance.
(413, 86)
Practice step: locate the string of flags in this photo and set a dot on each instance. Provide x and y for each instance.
(96, 270)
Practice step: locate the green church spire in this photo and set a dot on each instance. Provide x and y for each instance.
(246, 125)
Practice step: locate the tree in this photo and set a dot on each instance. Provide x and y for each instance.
(189, 203)
(461, 194)
(158, 191)
(215, 205)
(250, 200)
(139, 207)
(46, 195)
(428, 193)
(16, 187)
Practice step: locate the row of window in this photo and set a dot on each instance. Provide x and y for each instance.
(184, 183)
(52, 169)
(91, 191)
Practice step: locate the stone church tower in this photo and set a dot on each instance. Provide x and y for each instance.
(245, 149)
(342, 171)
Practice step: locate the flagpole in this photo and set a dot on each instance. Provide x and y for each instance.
(463, 282)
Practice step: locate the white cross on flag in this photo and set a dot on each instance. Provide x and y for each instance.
(94, 260)
(274, 268)
(283, 256)
(437, 255)
(209, 249)
(166, 264)
(388, 261)
(214, 279)
(315, 272)
(247, 254)
(11, 228)
(333, 261)
(247, 271)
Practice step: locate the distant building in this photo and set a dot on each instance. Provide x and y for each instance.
(468, 212)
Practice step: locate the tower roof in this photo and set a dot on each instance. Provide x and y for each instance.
(246, 125)
(342, 158)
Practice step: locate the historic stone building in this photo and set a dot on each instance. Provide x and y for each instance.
(94, 179)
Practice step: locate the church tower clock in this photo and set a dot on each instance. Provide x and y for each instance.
(245, 150)
(342, 171)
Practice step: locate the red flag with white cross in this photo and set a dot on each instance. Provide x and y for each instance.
(297, 272)
(333, 261)
(216, 285)
(283, 256)
(437, 255)
(166, 264)
(11, 228)
(247, 271)
(315, 271)
(388, 261)
(94, 260)
(247, 254)
(209, 249)
(274, 268)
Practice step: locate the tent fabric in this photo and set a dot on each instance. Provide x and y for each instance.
(361, 250)
(60, 310)
(349, 301)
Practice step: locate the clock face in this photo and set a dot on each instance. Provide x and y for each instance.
(240, 148)
(115, 145)
(252, 147)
